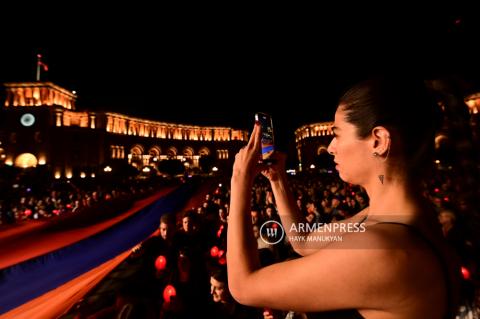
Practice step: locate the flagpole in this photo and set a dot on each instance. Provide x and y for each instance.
(39, 56)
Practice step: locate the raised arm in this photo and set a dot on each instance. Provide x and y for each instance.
(242, 255)
(319, 282)
(288, 211)
(292, 219)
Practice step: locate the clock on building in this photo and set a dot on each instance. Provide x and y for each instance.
(27, 119)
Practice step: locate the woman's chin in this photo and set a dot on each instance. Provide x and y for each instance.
(344, 178)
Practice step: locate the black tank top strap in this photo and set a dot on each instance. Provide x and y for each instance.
(450, 311)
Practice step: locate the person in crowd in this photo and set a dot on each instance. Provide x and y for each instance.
(224, 305)
(160, 244)
(384, 132)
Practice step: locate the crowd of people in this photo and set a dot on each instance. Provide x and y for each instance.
(180, 271)
(383, 156)
(25, 203)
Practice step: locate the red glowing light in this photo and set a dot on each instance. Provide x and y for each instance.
(168, 293)
(160, 263)
(214, 251)
(465, 273)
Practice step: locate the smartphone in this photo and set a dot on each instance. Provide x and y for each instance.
(267, 141)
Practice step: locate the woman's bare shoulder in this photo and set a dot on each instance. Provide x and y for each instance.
(414, 265)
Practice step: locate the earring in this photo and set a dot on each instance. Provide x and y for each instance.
(380, 177)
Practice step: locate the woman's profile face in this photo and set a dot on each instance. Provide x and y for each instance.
(352, 155)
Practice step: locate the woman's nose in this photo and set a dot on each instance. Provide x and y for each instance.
(330, 149)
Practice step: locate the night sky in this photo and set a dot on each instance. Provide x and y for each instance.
(227, 68)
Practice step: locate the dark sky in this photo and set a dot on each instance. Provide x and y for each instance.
(226, 68)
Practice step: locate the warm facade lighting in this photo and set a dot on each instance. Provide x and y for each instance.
(26, 160)
(58, 119)
(38, 94)
(122, 124)
(315, 129)
(71, 118)
(42, 160)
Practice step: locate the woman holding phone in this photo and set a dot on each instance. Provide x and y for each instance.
(399, 266)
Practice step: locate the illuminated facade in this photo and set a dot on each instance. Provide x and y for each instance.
(40, 126)
(311, 142)
(38, 94)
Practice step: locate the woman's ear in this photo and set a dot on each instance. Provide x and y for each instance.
(381, 141)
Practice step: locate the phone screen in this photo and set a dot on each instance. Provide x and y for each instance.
(267, 134)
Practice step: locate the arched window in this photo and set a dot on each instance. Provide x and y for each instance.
(26, 160)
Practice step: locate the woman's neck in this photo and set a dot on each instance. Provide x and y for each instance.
(394, 199)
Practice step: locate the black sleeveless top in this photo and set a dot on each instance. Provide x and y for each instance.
(339, 314)
(354, 314)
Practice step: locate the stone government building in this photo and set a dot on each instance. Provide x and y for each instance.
(311, 142)
(41, 126)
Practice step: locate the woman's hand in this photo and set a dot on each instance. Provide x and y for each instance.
(247, 161)
(274, 170)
